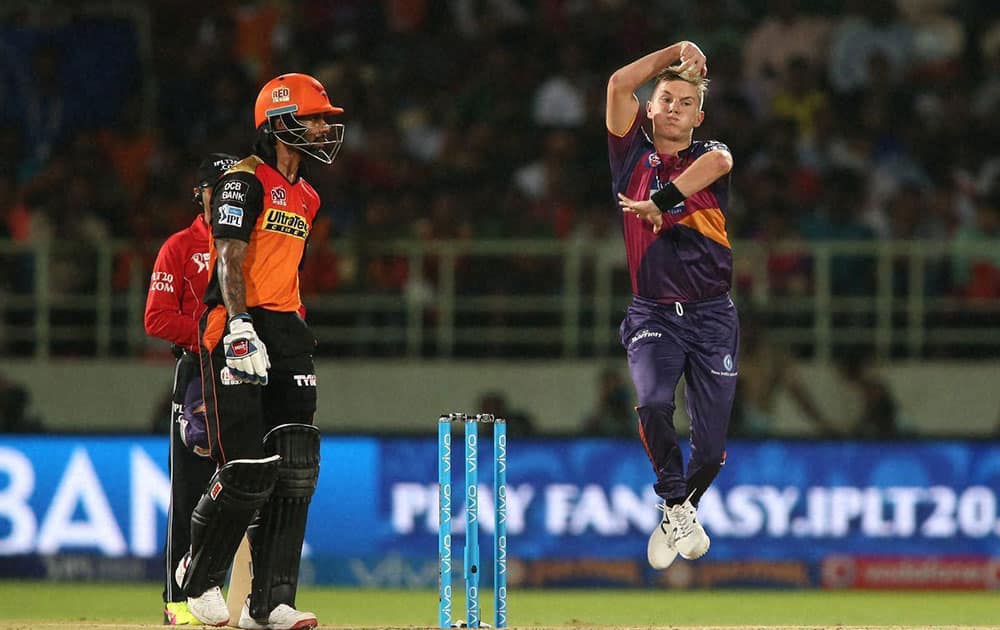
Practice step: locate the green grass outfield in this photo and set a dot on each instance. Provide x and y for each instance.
(37, 605)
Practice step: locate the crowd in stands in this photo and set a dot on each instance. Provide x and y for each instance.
(849, 120)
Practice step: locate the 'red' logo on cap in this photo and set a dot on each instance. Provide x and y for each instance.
(281, 94)
(216, 490)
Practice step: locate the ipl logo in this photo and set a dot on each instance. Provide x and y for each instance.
(201, 259)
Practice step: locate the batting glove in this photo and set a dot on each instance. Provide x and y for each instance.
(246, 355)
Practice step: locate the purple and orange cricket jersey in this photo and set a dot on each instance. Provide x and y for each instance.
(681, 320)
(691, 261)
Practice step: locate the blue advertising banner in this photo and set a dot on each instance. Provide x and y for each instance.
(72, 505)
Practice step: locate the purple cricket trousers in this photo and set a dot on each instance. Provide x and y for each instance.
(698, 340)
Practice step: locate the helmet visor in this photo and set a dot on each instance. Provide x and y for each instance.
(315, 135)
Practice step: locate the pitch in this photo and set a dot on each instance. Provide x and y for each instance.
(57, 606)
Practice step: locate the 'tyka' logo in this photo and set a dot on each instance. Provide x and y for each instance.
(304, 380)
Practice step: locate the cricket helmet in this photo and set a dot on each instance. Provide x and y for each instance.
(288, 98)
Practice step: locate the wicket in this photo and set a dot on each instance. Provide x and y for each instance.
(471, 559)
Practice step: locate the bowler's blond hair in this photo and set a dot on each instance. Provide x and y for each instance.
(695, 79)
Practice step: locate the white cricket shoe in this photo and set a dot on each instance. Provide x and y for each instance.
(690, 538)
(210, 607)
(283, 617)
(660, 550)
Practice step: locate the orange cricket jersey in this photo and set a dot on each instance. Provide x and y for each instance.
(254, 203)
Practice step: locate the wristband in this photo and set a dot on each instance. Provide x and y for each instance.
(242, 317)
(667, 197)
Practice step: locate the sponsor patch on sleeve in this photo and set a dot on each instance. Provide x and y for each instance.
(233, 190)
(230, 215)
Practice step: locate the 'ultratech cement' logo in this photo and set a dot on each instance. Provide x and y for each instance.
(286, 223)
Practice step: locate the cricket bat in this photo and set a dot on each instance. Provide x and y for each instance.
(239, 582)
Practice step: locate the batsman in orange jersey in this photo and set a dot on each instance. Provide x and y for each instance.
(257, 363)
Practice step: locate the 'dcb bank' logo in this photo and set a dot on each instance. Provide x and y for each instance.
(286, 223)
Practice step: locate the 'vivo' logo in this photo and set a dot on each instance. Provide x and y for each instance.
(501, 505)
(446, 603)
(471, 453)
(502, 607)
(445, 515)
(445, 448)
(446, 556)
(472, 504)
(501, 454)
(502, 555)
(472, 607)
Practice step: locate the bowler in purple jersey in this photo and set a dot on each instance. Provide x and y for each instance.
(674, 195)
